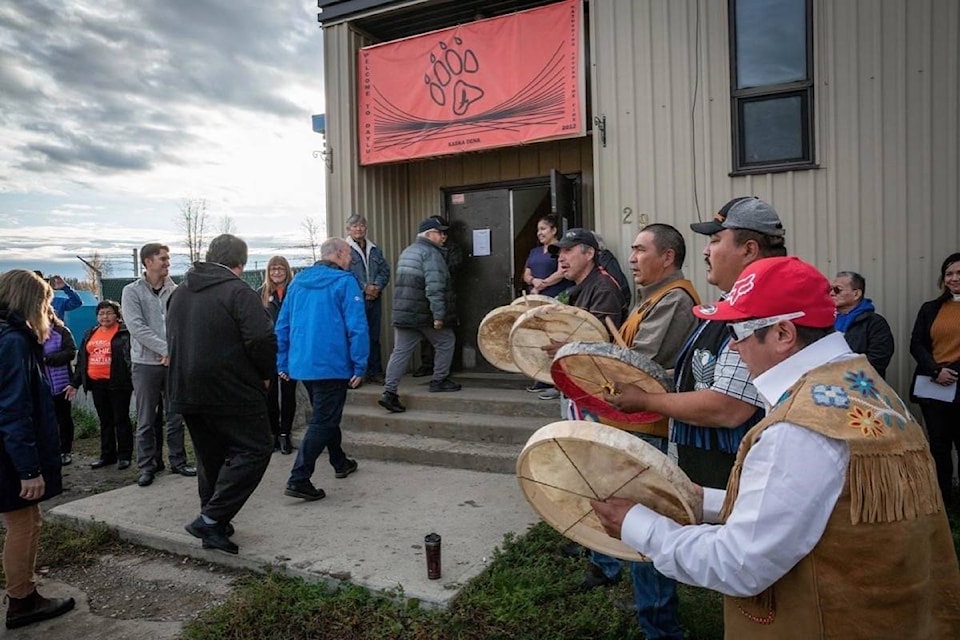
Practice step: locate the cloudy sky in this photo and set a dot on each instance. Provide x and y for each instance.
(114, 112)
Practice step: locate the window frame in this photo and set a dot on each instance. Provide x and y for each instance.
(738, 97)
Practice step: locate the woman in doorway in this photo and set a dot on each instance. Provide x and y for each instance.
(542, 275)
(281, 394)
(935, 345)
(30, 455)
(103, 368)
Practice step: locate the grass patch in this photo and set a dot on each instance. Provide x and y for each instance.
(62, 546)
(85, 422)
(528, 592)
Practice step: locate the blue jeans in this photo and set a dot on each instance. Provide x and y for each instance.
(323, 431)
(654, 594)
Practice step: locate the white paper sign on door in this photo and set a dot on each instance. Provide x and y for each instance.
(481, 242)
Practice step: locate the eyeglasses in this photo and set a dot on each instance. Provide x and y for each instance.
(742, 330)
(281, 269)
(836, 290)
(106, 312)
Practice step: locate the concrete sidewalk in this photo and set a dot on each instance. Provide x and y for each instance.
(368, 530)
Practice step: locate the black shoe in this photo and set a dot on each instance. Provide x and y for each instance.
(423, 371)
(65, 459)
(123, 464)
(348, 467)
(276, 443)
(538, 386)
(594, 577)
(304, 490)
(573, 550)
(34, 608)
(214, 536)
(437, 386)
(184, 470)
(101, 463)
(286, 445)
(145, 479)
(391, 402)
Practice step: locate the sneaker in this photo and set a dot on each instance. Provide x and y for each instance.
(550, 394)
(348, 467)
(304, 490)
(437, 386)
(35, 608)
(538, 386)
(391, 402)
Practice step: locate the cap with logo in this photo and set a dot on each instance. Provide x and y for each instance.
(432, 223)
(773, 287)
(573, 237)
(747, 212)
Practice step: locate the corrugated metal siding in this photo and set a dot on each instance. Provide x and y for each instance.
(885, 201)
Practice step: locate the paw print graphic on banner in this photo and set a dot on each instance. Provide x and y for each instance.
(448, 67)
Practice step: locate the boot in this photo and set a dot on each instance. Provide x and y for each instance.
(34, 608)
(286, 446)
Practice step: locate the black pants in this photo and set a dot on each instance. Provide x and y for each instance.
(113, 411)
(64, 412)
(943, 429)
(281, 405)
(233, 453)
(709, 468)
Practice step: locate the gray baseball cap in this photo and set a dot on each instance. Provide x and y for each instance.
(747, 212)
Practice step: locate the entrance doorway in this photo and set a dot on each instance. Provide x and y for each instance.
(494, 227)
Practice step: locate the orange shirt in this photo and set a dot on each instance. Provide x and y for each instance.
(945, 333)
(99, 353)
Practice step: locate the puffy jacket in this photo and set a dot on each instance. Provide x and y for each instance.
(29, 436)
(423, 291)
(120, 378)
(322, 328)
(59, 350)
(222, 345)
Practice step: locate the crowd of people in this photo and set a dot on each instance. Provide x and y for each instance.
(806, 460)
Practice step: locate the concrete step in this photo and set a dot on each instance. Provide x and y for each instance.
(461, 426)
(415, 395)
(438, 452)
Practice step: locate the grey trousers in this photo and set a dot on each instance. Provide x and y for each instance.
(150, 386)
(404, 343)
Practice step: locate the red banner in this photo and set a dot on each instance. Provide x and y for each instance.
(492, 83)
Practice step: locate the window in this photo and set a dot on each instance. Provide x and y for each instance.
(771, 72)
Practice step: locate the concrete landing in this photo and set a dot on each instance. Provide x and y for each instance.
(368, 530)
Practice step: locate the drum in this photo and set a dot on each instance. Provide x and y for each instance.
(493, 336)
(566, 464)
(534, 300)
(538, 326)
(584, 371)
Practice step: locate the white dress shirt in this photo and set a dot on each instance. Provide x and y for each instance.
(789, 485)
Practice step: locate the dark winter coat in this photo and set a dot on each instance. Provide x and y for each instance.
(870, 335)
(58, 353)
(29, 436)
(423, 290)
(921, 345)
(222, 344)
(120, 367)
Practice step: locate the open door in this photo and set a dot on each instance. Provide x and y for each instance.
(563, 199)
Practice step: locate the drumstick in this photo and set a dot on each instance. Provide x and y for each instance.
(615, 333)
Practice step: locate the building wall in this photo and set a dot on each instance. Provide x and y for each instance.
(885, 200)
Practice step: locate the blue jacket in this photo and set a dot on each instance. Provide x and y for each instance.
(371, 268)
(29, 436)
(72, 301)
(322, 326)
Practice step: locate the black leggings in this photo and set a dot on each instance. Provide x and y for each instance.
(943, 429)
(64, 411)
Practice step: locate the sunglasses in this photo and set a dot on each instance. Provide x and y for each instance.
(836, 290)
(742, 330)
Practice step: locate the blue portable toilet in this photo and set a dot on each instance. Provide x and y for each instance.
(83, 317)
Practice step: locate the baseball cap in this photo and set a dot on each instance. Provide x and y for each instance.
(746, 212)
(773, 287)
(573, 237)
(432, 223)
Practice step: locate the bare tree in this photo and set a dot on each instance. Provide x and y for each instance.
(312, 230)
(96, 267)
(227, 225)
(193, 224)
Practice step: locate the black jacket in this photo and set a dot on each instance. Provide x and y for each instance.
(29, 436)
(423, 291)
(921, 344)
(221, 342)
(870, 335)
(120, 376)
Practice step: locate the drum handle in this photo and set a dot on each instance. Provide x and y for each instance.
(615, 333)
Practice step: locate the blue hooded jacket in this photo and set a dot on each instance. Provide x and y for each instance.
(322, 326)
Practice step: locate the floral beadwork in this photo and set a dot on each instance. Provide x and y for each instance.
(862, 383)
(866, 421)
(830, 395)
